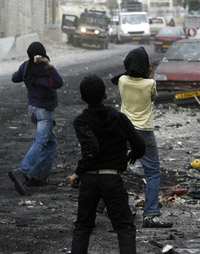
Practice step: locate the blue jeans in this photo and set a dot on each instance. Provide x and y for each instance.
(151, 166)
(110, 188)
(39, 159)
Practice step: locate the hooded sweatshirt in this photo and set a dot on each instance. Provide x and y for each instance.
(41, 82)
(103, 133)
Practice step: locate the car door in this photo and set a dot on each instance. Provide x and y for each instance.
(69, 23)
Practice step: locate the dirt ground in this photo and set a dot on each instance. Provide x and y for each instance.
(42, 222)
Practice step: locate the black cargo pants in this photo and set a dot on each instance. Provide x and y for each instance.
(110, 188)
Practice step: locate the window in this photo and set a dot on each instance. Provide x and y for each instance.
(157, 21)
(160, 4)
(134, 19)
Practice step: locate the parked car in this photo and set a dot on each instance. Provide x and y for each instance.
(156, 23)
(179, 71)
(166, 36)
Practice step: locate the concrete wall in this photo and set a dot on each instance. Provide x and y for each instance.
(38, 16)
(24, 17)
(22, 43)
(2, 23)
(6, 45)
(54, 33)
(11, 47)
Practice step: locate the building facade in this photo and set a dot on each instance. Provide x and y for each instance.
(165, 8)
(160, 8)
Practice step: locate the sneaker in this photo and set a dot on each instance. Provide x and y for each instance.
(34, 182)
(100, 209)
(18, 178)
(101, 206)
(156, 222)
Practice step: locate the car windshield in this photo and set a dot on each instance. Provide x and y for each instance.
(157, 21)
(183, 52)
(91, 20)
(169, 31)
(134, 19)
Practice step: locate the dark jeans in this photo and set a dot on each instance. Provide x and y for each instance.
(110, 188)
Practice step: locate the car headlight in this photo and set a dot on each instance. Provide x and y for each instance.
(146, 31)
(96, 32)
(161, 77)
(83, 30)
(125, 31)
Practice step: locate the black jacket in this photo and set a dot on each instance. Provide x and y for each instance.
(41, 89)
(103, 133)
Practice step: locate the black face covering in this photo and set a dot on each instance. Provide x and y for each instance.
(36, 69)
(136, 63)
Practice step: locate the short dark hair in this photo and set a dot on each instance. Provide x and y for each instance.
(92, 89)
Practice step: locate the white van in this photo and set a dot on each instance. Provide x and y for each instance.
(130, 26)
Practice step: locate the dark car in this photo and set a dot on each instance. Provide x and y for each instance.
(179, 71)
(166, 36)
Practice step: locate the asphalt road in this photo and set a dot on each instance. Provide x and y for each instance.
(42, 222)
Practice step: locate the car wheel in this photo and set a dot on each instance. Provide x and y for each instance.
(75, 43)
(148, 41)
(102, 45)
(118, 40)
(69, 39)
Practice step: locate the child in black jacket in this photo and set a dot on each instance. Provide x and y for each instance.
(103, 133)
